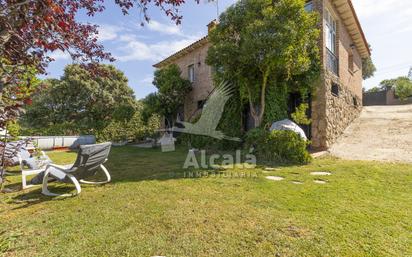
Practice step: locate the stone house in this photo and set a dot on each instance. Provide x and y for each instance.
(338, 98)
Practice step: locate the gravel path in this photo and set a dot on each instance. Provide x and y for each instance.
(381, 133)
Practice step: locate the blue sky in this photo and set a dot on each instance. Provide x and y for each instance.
(386, 23)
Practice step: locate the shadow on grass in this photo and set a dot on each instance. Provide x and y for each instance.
(33, 197)
(129, 164)
(125, 164)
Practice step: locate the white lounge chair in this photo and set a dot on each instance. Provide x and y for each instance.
(35, 165)
(89, 159)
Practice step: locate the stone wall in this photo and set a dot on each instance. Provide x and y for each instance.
(335, 111)
(331, 114)
(341, 109)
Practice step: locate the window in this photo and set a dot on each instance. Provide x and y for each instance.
(191, 73)
(335, 89)
(309, 6)
(330, 30)
(350, 62)
(200, 104)
(332, 62)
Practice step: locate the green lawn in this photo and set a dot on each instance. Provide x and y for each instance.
(365, 209)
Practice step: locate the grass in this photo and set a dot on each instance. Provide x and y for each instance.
(364, 210)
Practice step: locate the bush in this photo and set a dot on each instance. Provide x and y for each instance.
(299, 116)
(278, 146)
(126, 125)
(195, 141)
(403, 88)
(131, 130)
(62, 129)
(13, 129)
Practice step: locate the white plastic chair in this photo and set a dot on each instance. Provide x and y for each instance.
(28, 172)
(89, 159)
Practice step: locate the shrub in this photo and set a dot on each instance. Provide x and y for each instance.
(116, 131)
(131, 130)
(299, 116)
(195, 141)
(62, 129)
(278, 146)
(13, 129)
(403, 88)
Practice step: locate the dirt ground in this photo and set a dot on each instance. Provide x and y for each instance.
(381, 133)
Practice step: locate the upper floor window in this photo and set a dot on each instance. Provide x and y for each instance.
(332, 62)
(309, 6)
(191, 73)
(330, 30)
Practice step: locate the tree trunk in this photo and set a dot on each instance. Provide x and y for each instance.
(258, 111)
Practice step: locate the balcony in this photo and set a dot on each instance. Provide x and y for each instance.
(332, 62)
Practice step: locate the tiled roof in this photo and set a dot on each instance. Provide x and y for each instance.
(346, 11)
(184, 51)
(350, 19)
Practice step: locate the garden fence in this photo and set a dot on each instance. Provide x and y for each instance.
(53, 142)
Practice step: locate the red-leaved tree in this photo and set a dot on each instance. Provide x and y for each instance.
(31, 29)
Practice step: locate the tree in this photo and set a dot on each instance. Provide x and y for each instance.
(401, 85)
(410, 73)
(151, 106)
(403, 88)
(131, 129)
(17, 94)
(30, 29)
(375, 90)
(172, 91)
(387, 84)
(81, 103)
(368, 68)
(261, 45)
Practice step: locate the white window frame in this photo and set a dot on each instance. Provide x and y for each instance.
(191, 72)
(330, 32)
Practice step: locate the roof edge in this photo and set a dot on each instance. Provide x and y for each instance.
(202, 41)
(359, 26)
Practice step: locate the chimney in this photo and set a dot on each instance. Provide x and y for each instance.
(211, 25)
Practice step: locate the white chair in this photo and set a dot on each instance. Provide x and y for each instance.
(37, 166)
(90, 159)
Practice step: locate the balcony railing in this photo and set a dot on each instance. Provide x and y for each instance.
(332, 62)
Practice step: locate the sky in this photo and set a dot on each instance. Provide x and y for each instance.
(387, 25)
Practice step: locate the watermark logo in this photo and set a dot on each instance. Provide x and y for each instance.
(228, 160)
(211, 114)
(207, 126)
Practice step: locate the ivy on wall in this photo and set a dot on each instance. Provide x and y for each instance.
(276, 104)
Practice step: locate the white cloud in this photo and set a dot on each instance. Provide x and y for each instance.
(108, 32)
(59, 55)
(388, 26)
(147, 80)
(169, 29)
(136, 50)
(395, 8)
(132, 47)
